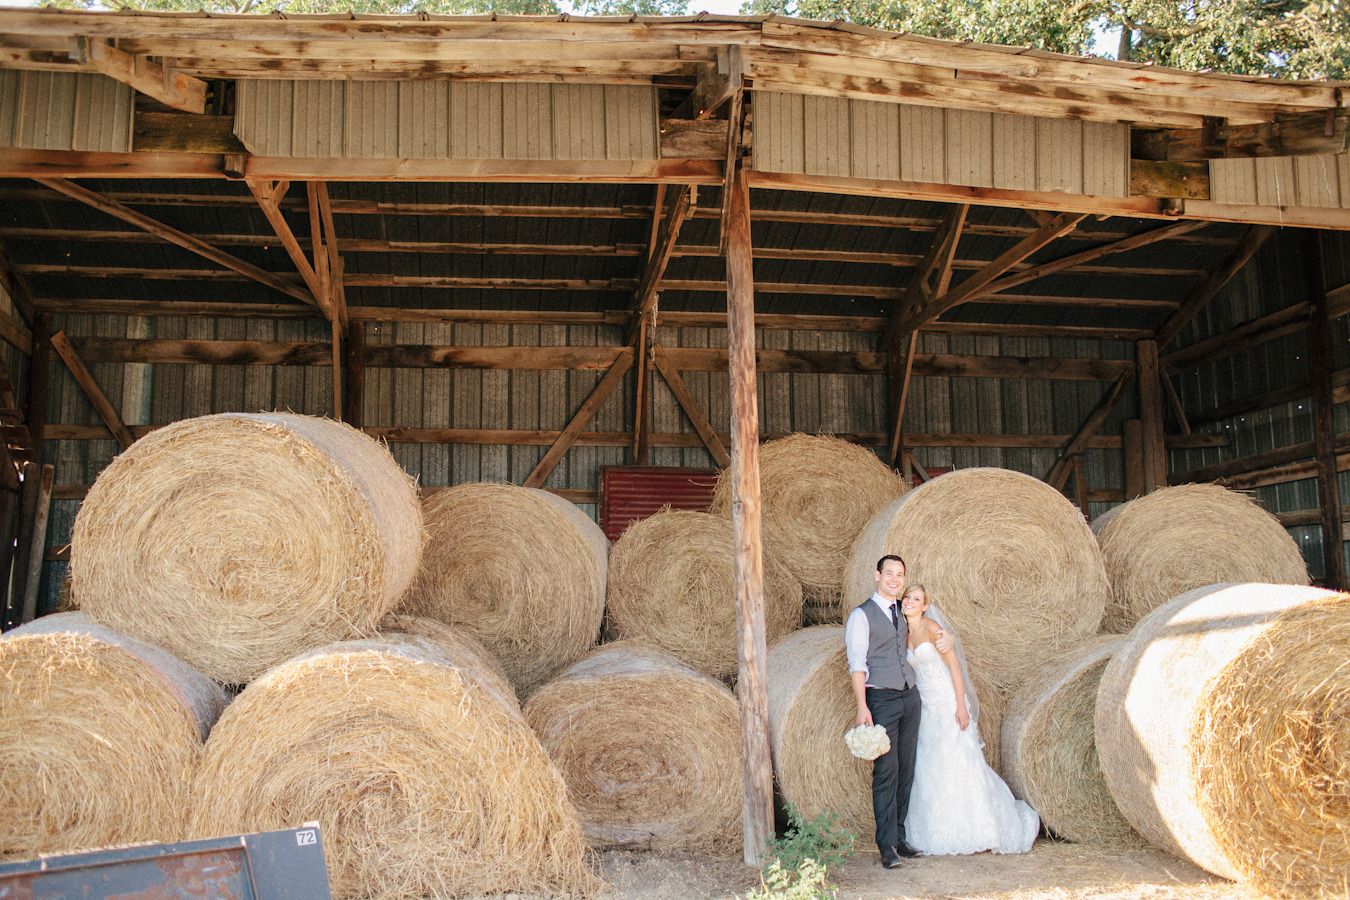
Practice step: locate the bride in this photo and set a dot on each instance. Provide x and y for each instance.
(958, 804)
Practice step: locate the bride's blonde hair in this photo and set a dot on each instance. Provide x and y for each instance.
(918, 586)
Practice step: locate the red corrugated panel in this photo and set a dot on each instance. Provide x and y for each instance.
(629, 493)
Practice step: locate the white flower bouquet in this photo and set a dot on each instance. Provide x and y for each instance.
(867, 741)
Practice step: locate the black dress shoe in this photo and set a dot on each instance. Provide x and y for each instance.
(905, 850)
(891, 860)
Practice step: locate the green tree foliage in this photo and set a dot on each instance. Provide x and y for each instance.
(396, 7)
(1288, 38)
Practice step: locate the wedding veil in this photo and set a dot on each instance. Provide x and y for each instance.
(972, 699)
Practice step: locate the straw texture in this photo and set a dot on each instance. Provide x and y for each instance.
(816, 493)
(649, 747)
(1173, 540)
(519, 569)
(1050, 751)
(424, 783)
(1010, 562)
(671, 586)
(99, 737)
(466, 652)
(1157, 693)
(810, 707)
(237, 540)
(1272, 754)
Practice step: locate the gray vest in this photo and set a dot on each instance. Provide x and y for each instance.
(886, 663)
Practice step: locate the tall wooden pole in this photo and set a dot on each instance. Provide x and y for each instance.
(1324, 428)
(751, 683)
(1151, 415)
(354, 374)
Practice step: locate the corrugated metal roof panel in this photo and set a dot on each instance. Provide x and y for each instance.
(631, 493)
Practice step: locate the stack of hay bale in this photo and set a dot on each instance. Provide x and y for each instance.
(264, 551)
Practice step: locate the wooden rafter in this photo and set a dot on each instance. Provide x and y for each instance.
(973, 284)
(675, 209)
(1064, 465)
(1309, 134)
(731, 161)
(335, 274)
(1200, 297)
(583, 416)
(17, 288)
(174, 236)
(269, 195)
(172, 88)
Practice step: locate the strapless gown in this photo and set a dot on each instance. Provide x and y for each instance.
(958, 804)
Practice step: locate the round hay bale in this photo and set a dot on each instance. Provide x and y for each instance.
(1163, 544)
(1007, 558)
(671, 586)
(466, 652)
(1050, 752)
(816, 493)
(99, 737)
(423, 782)
(1272, 754)
(236, 541)
(1241, 679)
(811, 705)
(650, 750)
(519, 569)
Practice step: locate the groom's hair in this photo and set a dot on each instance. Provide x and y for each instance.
(881, 562)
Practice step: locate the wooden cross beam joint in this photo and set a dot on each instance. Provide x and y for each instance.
(173, 89)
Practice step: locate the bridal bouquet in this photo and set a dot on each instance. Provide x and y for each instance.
(867, 741)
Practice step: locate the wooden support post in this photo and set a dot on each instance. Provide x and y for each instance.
(27, 517)
(1151, 416)
(1132, 447)
(579, 421)
(748, 562)
(641, 390)
(38, 545)
(39, 373)
(355, 375)
(335, 328)
(906, 369)
(1324, 429)
(85, 379)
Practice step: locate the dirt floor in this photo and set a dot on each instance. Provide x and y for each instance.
(1051, 871)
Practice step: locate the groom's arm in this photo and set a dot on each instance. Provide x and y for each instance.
(856, 634)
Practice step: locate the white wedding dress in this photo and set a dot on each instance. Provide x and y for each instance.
(958, 804)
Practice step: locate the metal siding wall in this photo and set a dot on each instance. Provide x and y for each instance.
(446, 120)
(65, 111)
(1320, 181)
(871, 139)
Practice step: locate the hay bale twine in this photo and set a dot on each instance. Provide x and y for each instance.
(1163, 544)
(671, 586)
(236, 540)
(650, 750)
(99, 737)
(816, 493)
(519, 569)
(811, 705)
(1050, 752)
(1222, 730)
(1007, 558)
(425, 784)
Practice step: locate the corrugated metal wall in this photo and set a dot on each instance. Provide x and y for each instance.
(802, 134)
(447, 120)
(1282, 181)
(64, 111)
(1273, 281)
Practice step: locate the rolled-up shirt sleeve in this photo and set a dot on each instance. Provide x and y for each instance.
(856, 637)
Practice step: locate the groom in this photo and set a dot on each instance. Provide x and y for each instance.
(876, 639)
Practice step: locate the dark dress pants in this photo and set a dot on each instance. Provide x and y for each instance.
(893, 771)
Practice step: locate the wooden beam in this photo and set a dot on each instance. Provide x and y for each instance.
(1189, 180)
(1059, 472)
(674, 211)
(33, 564)
(85, 379)
(901, 394)
(170, 87)
(716, 85)
(1202, 294)
(973, 285)
(1151, 415)
(1080, 485)
(1309, 134)
(1174, 401)
(1320, 348)
(922, 286)
(336, 275)
(15, 333)
(174, 236)
(17, 288)
(731, 161)
(699, 419)
(39, 373)
(747, 556)
(1077, 260)
(354, 374)
(699, 359)
(583, 416)
(163, 132)
(1243, 337)
(265, 194)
